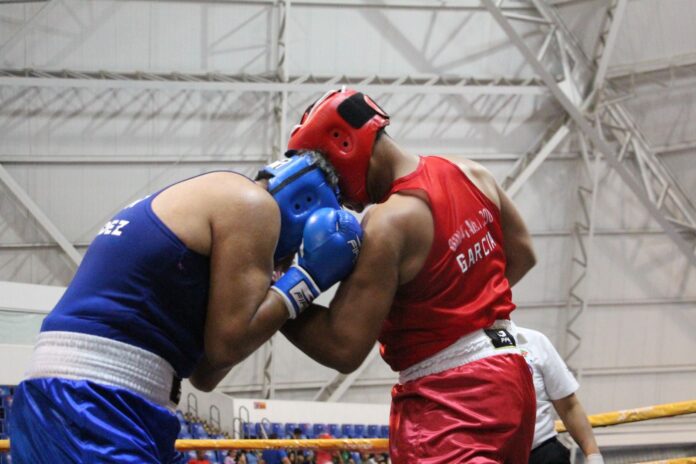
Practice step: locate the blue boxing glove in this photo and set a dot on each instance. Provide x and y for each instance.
(330, 246)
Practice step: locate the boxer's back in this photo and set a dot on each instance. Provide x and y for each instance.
(462, 285)
(139, 284)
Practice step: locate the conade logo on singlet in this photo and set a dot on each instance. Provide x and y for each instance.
(481, 248)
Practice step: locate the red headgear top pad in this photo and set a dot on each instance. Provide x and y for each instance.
(342, 125)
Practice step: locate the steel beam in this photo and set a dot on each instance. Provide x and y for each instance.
(528, 164)
(617, 12)
(20, 33)
(670, 199)
(283, 72)
(251, 160)
(590, 132)
(675, 147)
(437, 85)
(38, 214)
(513, 184)
(440, 5)
(640, 69)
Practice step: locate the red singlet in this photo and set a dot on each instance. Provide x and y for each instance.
(462, 286)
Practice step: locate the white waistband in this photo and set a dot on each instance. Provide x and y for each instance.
(78, 356)
(471, 347)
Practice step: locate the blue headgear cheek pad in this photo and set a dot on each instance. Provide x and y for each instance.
(300, 188)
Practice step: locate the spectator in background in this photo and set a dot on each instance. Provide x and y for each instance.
(322, 456)
(274, 456)
(230, 458)
(297, 456)
(199, 459)
(252, 457)
(240, 457)
(555, 386)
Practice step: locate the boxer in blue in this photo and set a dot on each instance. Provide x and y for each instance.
(176, 285)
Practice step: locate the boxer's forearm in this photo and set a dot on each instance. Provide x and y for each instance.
(342, 336)
(316, 335)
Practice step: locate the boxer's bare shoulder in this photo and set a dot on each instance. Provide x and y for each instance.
(404, 219)
(481, 177)
(196, 208)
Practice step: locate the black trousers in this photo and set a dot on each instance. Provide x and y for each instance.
(550, 452)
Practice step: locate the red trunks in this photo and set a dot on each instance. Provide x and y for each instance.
(480, 412)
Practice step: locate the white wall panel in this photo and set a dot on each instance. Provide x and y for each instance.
(640, 267)
(14, 358)
(402, 41)
(236, 38)
(615, 392)
(42, 266)
(655, 29)
(80, 199)
(638, 336)
(93, 122)
(548, 200)
(618, 207)
(90, 122)
(549, 280)
(147, 36)
(584, 19)
(664, 112)
(682, 167)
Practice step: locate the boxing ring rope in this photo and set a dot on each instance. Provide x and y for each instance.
(351, 444)
(673, 461)
(638, 414)
(382, 444)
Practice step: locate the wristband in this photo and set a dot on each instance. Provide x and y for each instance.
(298, 290)
(594, 458)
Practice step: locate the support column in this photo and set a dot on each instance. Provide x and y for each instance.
(592, 134)
(280, 108)
(25, 200)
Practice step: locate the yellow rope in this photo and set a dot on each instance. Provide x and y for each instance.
(377, 444)
(638, 414)
(382, 444)
(673, 461)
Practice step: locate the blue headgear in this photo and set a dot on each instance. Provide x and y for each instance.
(299, 187)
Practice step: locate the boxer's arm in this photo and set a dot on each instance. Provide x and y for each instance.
(517, 243)
(242, 313)
(342, 336)
(574, 418)
(206, 376)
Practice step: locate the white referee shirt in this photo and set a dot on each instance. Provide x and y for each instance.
(552, 379)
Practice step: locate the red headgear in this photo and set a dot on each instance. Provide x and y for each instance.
(342, 125)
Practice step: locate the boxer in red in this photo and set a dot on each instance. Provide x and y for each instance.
(442, 247)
